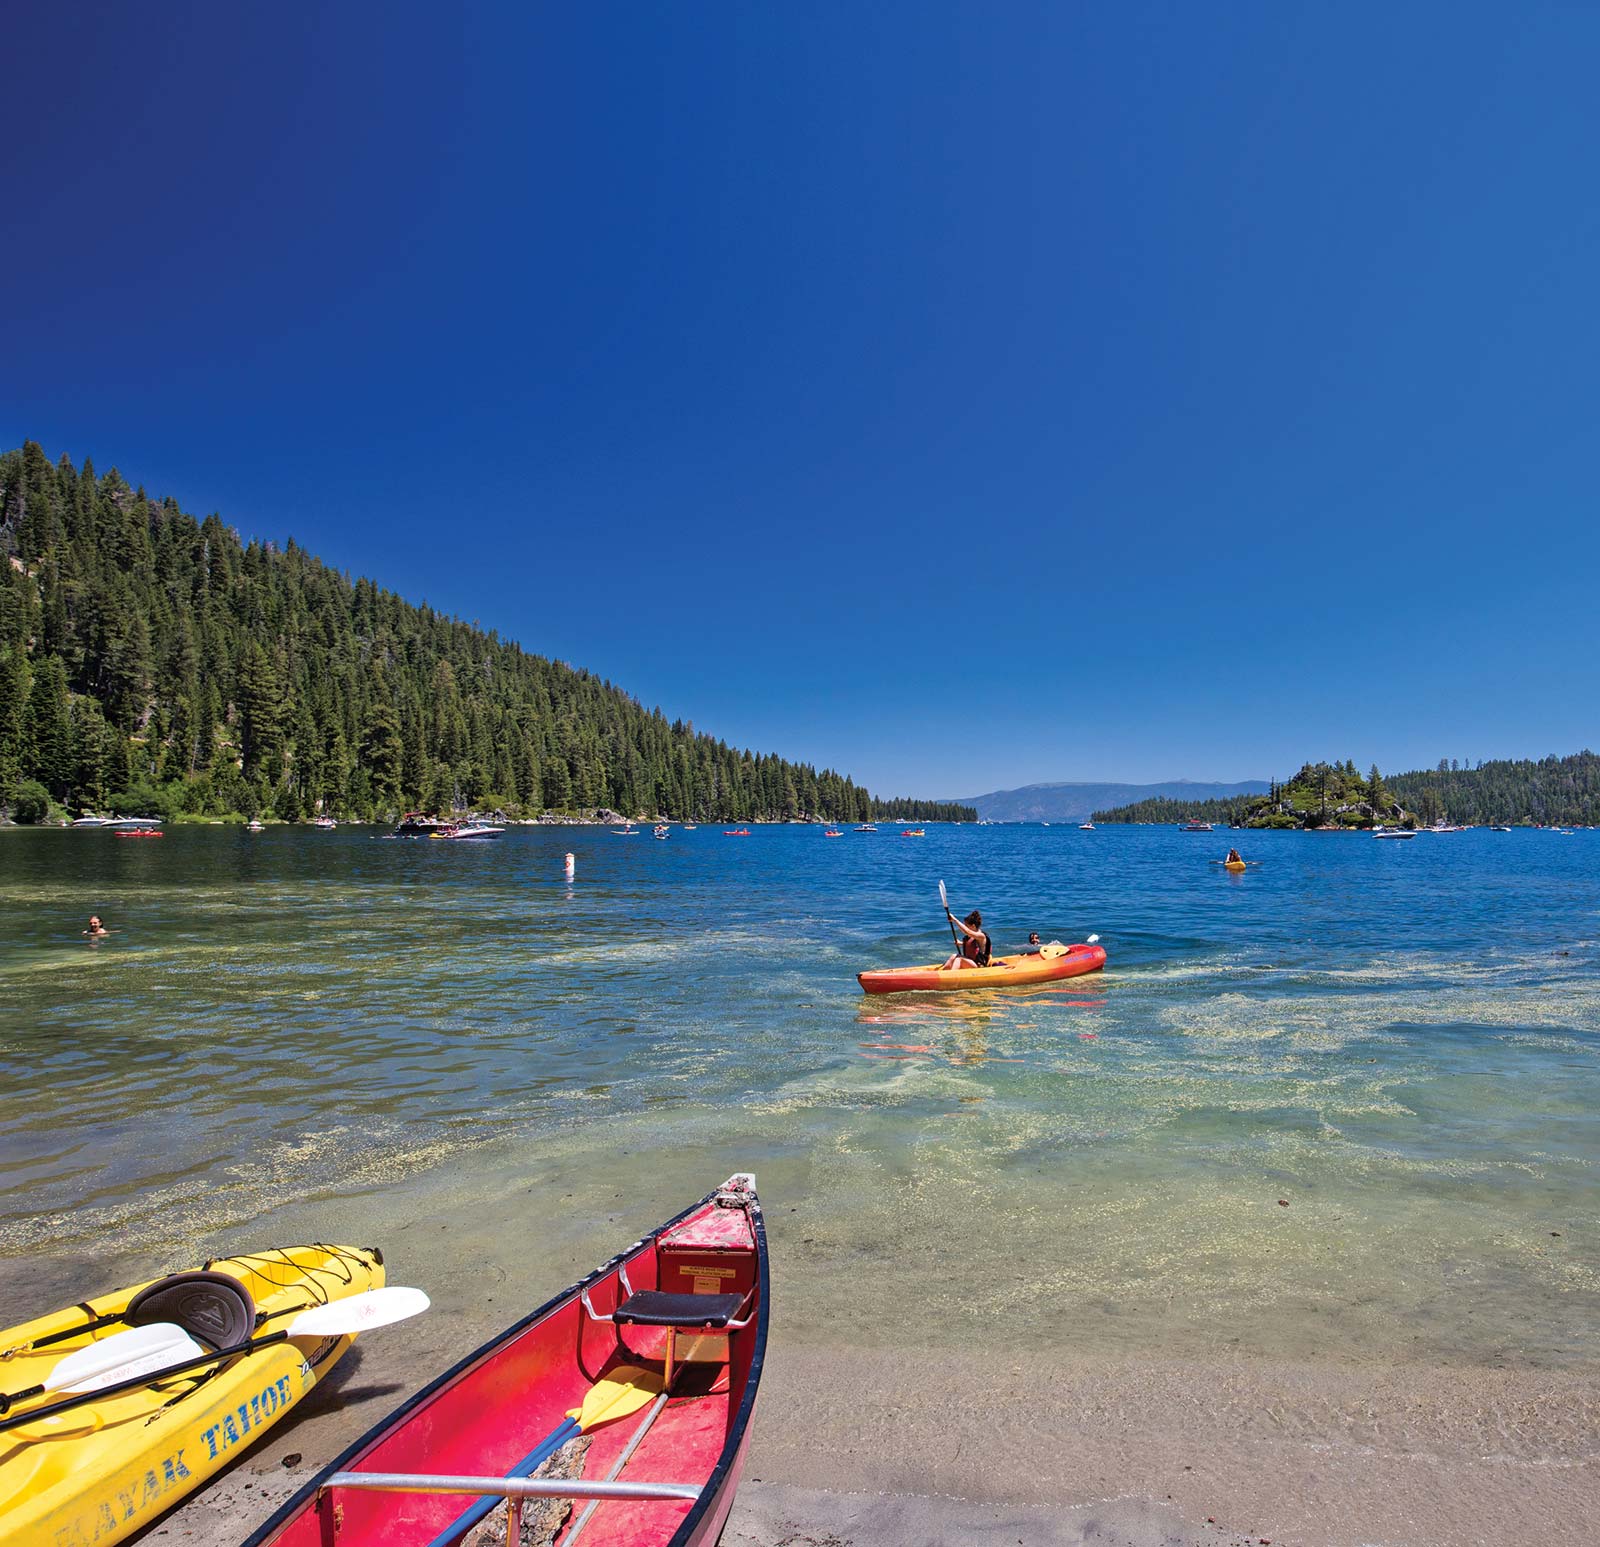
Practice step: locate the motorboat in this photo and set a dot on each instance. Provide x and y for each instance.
(415, 825)
(1393, 832)
(89, 819)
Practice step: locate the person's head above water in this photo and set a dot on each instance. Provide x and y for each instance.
(1033, 937)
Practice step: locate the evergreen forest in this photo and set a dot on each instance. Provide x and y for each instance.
(154, 664)
(1549, 791)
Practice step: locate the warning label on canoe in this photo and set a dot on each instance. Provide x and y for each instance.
(708, 1280)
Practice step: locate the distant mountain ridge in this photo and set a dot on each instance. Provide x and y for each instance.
(1072, 802)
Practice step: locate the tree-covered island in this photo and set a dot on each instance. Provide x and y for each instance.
(1548, 791)
(1320, 795)
(154, 664)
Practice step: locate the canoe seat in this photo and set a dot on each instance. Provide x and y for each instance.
(654, 1308)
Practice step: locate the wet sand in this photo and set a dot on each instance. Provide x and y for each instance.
(856, 1446)
(1038, 1416)
(871, 1430)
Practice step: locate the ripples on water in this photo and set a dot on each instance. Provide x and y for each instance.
(1399, 1039)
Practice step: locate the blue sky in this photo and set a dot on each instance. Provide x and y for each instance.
(961, 396)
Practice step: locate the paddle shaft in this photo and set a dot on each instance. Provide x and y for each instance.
(50, 1409)
(949, 918)
(110, 1319)
(535, 1458)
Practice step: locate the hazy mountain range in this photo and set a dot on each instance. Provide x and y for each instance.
(1075, 802)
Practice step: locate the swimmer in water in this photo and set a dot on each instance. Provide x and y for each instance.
(96, 930)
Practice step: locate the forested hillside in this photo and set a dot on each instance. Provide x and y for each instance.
(1553, 790)
(151, 660)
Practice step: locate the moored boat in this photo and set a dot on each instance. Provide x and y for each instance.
(415, 825)
(89, 819)
(114, 1460)
(634, 1390)
(1195, 825)
(1393, 832)
(1045, 966)
(135, 824)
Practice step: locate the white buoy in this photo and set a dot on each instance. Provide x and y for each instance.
(569, 867)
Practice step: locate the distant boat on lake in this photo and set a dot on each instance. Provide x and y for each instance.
(1195, 825)
(415, 825)
(1393, 832)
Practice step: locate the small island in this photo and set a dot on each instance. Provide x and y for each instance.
(1328, 796)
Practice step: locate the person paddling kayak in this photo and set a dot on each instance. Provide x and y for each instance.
(975, 949)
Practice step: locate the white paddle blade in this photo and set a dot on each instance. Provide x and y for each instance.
(1094, 939)
(943, 899)
(128, 1354)
(358, 1313)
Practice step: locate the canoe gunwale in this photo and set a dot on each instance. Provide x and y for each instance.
(717, 1479)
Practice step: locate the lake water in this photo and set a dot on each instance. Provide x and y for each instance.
(301, 1034)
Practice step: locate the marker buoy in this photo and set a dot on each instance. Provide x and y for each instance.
(569, 867)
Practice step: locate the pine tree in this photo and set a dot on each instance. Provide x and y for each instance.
(47, 730)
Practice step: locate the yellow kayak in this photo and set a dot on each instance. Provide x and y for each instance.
(98, 1473)
(1234, 865)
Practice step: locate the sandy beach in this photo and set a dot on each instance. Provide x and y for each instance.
(980, 1440)
(854, 1447)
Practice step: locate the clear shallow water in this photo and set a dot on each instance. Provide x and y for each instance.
(1398, 1039)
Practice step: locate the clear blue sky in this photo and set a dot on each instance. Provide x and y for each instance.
(960, 396)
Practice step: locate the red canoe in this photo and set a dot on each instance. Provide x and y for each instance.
(677, 1323)
(1002, 972)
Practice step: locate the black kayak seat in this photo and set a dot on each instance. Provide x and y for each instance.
(655, 1308)
(213, 1307)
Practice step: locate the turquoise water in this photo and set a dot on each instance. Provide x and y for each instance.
(1399, 1040)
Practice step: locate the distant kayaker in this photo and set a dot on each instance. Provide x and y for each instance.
(975, 948)
(96, 930)
(1233, 858)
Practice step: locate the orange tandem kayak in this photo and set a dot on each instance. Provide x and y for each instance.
(1002, 972)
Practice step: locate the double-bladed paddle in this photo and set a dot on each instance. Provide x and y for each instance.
(945, 900)
(144, 1355)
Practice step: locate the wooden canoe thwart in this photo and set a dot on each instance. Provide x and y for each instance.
(655, 1359)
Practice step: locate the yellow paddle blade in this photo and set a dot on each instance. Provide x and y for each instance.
(625, 1390)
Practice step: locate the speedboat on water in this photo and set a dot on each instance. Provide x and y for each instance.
(1195, 825)
(135, 824)
(414, 825)
(625, 1401)
(1393, 832)
(89, 819)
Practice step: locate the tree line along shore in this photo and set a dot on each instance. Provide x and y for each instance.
(155, 664)
(1550, 791)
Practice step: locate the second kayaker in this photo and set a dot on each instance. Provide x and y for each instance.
(975, 949)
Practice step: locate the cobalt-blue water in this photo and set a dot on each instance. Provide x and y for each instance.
(1343, 1101)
